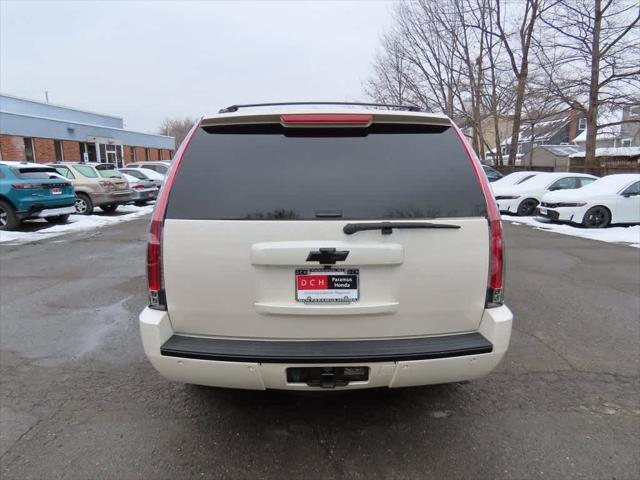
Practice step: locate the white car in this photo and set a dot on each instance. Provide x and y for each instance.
(144, 174)
(143, 190)
(611, 199)
(160, 166)
(515, 178)
(313, 249)
(523, 199)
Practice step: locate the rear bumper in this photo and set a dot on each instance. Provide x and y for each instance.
(112, 198)
(563, 214)
(146, 194)
(47, 212)
(259, 365)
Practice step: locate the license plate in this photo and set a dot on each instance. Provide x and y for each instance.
(320, 285)
(56, 191)
(542, 210)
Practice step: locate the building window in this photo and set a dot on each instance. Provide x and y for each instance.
(88, 152)
(626, 142)
(519, 151)
(29, 152)
(582, 123)
(103, 153)
(57, 144)
(635, 111)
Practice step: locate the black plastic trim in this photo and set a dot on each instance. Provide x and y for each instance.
(387, 227)
(321, 351)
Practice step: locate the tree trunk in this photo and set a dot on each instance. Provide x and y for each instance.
(590, 160)
(476, 111)
(533, 138)
(496, 132)
(517, 114)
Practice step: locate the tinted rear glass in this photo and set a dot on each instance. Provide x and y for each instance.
(86, 171)
(135, 173)
(267, 173)
(36, 173)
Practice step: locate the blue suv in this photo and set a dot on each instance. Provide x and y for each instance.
(29, 190)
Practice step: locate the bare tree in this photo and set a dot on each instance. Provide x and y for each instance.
(517, 36)
(176, 127)
(388, 85)
(600, 37)
(446, 56)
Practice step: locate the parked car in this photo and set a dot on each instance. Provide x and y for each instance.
(611, 199)
(313, 249)
(523, 199)
(161, 166)
(143, 190)
(96, 185)
(492, 173)
(30, 190)
(144, 174)
(515, 178)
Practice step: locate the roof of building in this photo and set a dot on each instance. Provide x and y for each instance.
(606, 133)
(30, 118)
(612, 152)
(57, 105)
(561, 150)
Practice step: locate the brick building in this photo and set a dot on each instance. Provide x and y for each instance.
(43, 132)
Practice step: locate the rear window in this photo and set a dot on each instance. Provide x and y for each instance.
(157, 168)
(269, 173)
(35, 173)
(87, 171)
(108, 171)
(136, 174)
(524, 179)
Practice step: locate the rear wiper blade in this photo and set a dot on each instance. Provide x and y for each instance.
(387, 227)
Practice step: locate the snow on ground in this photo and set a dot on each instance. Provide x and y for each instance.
(33, 230)
(626, 235)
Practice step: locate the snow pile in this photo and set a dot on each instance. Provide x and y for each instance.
(33, 230)
(611, 152)
(626, 235)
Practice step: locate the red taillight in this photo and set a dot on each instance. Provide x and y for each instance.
(155, 280)
(338, 119)
(27, 186)
(107, 184)
(138, 187)
(495, 283)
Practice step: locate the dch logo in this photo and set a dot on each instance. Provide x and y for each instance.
(313, 282)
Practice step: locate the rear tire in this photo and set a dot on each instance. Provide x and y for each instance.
(597, 217)
(84, 205)
(8, 218)
(109, 208)
(527, 207)
(58, 219)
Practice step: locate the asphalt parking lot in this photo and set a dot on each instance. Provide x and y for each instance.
(79, 400)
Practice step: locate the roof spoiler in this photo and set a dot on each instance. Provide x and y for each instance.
(409, 108)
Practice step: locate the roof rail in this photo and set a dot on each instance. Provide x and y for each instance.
(235, 108)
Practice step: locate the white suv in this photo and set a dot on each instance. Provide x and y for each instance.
(305, 249)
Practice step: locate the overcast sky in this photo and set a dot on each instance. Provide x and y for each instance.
(148, 60)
